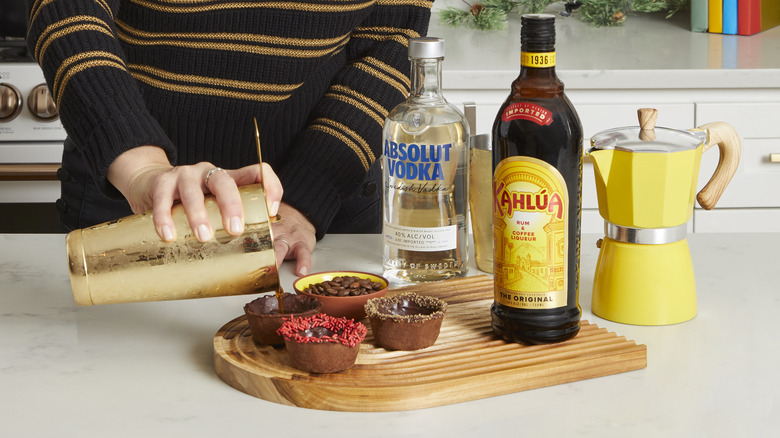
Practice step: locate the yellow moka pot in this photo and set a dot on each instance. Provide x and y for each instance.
(646, 182)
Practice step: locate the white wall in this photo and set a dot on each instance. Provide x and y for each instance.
(444, 4)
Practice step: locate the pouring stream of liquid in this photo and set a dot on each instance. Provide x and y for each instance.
(279, 292)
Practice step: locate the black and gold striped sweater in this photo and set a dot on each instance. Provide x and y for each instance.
(189, 75)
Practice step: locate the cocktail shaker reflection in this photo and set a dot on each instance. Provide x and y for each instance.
(126, 261)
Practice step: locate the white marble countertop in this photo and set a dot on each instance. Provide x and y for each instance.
(145, 369)
(648, 51)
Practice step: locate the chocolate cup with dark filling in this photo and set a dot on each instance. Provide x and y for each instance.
(264, 317)
(405, 322)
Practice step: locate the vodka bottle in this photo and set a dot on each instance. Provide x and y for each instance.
(425, 169)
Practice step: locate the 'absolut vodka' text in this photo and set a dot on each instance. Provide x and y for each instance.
(416, 162)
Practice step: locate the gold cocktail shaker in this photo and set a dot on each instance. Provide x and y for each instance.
(126, 261)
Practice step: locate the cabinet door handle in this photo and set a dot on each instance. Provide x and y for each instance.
(28, 172)
(774, 158)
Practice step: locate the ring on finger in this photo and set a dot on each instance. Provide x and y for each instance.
(211, 172)
(289, 245)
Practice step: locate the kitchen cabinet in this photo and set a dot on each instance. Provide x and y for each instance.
(609, 73)
(752, 201)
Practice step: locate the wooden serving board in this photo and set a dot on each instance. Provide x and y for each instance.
(466, 363)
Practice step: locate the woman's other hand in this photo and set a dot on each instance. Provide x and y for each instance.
(294, 238)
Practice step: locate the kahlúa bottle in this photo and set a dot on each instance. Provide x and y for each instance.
(537, 190)
(425, 170)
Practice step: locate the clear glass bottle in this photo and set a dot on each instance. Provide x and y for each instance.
(537, 189)
(425, 168)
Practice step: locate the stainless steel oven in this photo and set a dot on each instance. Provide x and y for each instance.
(31, 135)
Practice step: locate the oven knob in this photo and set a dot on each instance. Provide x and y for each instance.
(41, 104)
(10, 102)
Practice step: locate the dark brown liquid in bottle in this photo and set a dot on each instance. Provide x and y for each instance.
(560, 145)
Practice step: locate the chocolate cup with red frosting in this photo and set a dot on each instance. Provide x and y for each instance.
(322, 343)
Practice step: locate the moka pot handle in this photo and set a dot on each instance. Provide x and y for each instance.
(723, 135)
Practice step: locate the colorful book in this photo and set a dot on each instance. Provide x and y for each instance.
(699, 18)
(748, 17)
(770, 14)
(715, 16)
(754, 16)
(730, 17)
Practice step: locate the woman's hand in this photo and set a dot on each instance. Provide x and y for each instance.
(148, 181)
(294, 238)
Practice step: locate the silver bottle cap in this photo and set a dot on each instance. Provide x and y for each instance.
(426, 47)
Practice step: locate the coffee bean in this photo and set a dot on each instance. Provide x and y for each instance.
(342, 286)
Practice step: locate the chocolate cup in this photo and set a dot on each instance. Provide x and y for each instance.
(321, 357)
(264, 317)
(405, 322)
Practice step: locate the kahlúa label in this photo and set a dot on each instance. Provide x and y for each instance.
(527, 111)
(530, 228)
(537, 59)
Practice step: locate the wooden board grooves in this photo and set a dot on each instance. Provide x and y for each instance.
(466, 363)
(490, 359)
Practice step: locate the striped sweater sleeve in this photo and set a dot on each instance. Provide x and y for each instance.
(100, 105)
(344, 134)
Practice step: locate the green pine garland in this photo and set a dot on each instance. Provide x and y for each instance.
(493, 14)
(487, 15)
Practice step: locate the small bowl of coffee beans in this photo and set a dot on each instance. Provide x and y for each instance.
(343, 294)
